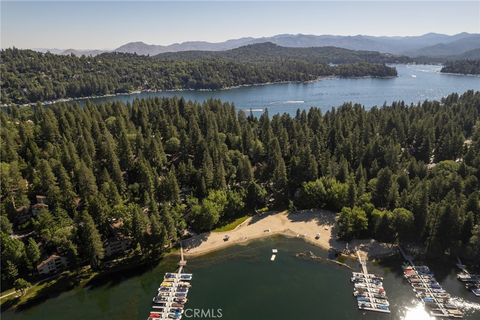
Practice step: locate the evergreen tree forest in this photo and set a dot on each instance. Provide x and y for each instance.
(462, 67)
(29, 76)
(399, 173)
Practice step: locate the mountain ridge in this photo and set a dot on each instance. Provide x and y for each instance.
(428, 44)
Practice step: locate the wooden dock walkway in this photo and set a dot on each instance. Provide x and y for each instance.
(440, 311)
(169, 301)
(370, 289)
(362, 262)
(182, 263)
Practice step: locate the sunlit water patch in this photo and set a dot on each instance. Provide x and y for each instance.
(417, 312)
(466, 306)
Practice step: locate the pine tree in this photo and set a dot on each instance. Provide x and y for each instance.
(383, 188)
(245, 171)
(86, 182)
(219, 177)
(47, 183)
(32, 253)
(352, 192)
(90, 241)
(207, 169)
(158, 235)
(280, 182)
(172, 190)
(139, 228)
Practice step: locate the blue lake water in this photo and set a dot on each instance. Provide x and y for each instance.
(414, 83)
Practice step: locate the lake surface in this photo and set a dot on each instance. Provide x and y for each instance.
(414, 83)
(245, 284)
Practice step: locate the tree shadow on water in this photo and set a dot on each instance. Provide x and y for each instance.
(60, 285)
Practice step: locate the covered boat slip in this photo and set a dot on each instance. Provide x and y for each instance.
(429, 291)
(369, 290)
(172, 294)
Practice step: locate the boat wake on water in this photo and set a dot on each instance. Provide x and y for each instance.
(253, 110)
(294, 101)
(287, 102)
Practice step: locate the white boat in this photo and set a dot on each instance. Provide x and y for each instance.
(183, 284)
(373, 281)
(167, 294)
(378, 295)
(362, 275)
(162, 299)
(373, 300)
(185, 276)
(369, 286)
(181, 276)
(476, 292)
(373, 307)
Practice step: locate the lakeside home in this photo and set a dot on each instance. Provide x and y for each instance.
(53, 264)
(116, 245)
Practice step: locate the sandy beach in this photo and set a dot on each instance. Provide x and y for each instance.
(314, 226)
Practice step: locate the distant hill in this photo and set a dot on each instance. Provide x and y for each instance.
(471, 54)
(429, 45)
(268, 51)
(453, 48)
(75, 52)
(394, 45)
(151, 49)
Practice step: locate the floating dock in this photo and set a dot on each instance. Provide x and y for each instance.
(471, 281)
(369, 290)
(172, 294)
(274, 254)
(428, 290)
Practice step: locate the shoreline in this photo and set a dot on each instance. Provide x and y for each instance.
(140, 91)
(316, 227)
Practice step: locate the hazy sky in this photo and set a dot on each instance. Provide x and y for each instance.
(105, 25)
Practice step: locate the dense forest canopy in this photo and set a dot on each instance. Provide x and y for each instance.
(268, 51)
(28, 76)
(462, 66)
(162, 166)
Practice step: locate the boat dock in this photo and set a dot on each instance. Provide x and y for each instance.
(428, 290)
(369, 290)
(471, 281)
(172, 293)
